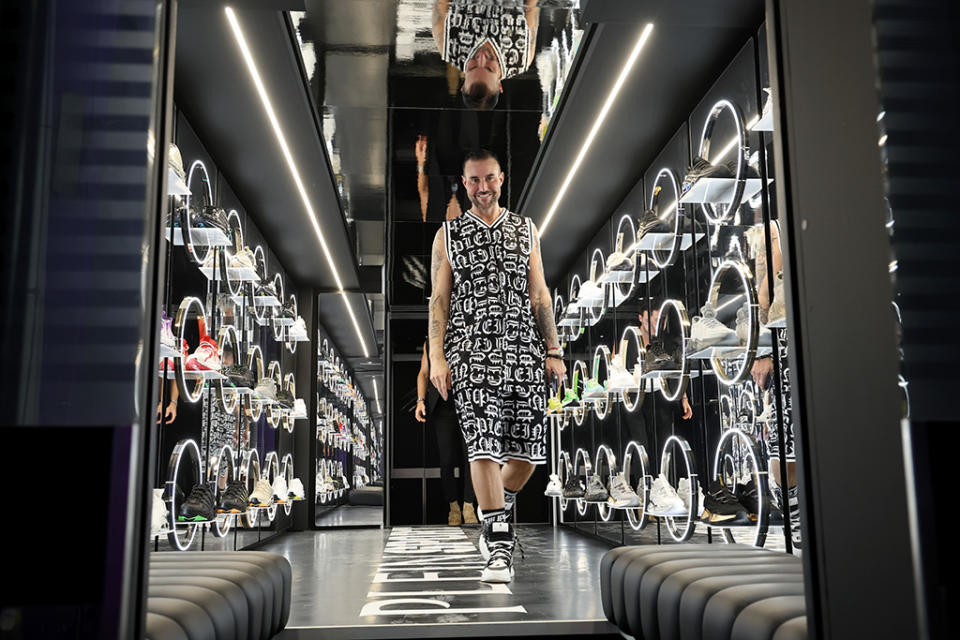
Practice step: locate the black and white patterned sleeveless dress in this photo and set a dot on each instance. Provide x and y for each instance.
(494, 350)
(469, 24)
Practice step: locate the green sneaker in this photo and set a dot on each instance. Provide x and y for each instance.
(570, 398)
(593, 389)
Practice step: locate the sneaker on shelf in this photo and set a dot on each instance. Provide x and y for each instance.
(622, 494)
(573, 489)
(683, 490)
(570, 399)
(234, 498)
(554, 488)
(299, 329)
(554, 404)
(664, 500)
(299, 408)
(749, 172)
(747, 496)
(659, 359)
(572, 312)
(285, 399)
(265, 289)
(707, 331)
(280, 490)
(295, 490)
(262, 495)
(650, 222)
(289, 310)
(638, 375)
(267, 389)
(200, 505)
(240, 376)
(159, 524)
(595, 491)
(167, 339)
(778, 309)
(205, 358)
(618, 261)
(593, 389)
(210, 217)
(500, 542)
(702, 168)
(243, 259)
(590, 294)
(176, 176)
(721, 507)
(619, 378)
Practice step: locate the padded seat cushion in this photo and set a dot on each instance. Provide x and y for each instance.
(726, 605)
(161, 627)
(764, 620)
(241, 594)
(792, 629)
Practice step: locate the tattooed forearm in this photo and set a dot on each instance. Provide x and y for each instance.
(441, 278)
(543, 314)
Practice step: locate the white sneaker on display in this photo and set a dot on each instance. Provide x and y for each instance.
(683, 490)
(620, 379)
(159, 524)
(299, 408)
(299, 330)
(707, 331)
(590, 295)
(554, 488)
(262, 495)
(664, 500)
(295, 490)
(243, 259)
(279, 489)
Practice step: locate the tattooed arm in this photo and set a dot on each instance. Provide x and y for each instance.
(543, 310)
(441, 275)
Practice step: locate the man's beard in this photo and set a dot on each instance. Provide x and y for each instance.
(491, 206)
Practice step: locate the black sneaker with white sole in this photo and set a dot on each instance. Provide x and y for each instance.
(500, 542)
(746, 495)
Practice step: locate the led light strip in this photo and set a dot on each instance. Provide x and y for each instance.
(642, 40)
(294, 172)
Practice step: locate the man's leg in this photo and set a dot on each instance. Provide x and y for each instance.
(487, 484)
(515, 474)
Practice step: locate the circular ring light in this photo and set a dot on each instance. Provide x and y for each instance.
(274, 412)
(260, 311)
(742, 273)
(236, 228)
(580, 377)
(678, 533)
(227, 340)
(221, 526)
(626, 228)
(271, 470)
(728, 413)
(285, 328)
(179, 329)
(679, 313)
(745, 445)
(574, 291)
(582, 456)
(643, 485)
(286, 470)
(275, 311)
(197, 178)
(601, 355)
(598, 265)
(663, 258)
(632, 332)
(604, 454)
(183, 449)
(254, 403)
(720, 213)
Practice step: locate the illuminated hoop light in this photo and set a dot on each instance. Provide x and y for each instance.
(641, 352)
(223, 521)
(681, 314)
(643, 487)
(751, 448)
(678, 534)
(573, 292)
(228, 336)
(275, 311)
(601, 354)
(678, 208)
(225, 255)
(604, 509)
(620, 296)
(290, 384)
(182, 448)
(753, 307)
(710, 210)
(179, 328)
(274, 414)
(253, 401)
(286, 470)
(260, 311)
(270, 471)
(597, 259)
(291, 345)
(580, 413)
(581, 454)
(187, 231)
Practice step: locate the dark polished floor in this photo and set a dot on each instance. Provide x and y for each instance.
(351, 516)
(417, 582)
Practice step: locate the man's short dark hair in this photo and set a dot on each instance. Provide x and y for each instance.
(479, 97)
(478, 155)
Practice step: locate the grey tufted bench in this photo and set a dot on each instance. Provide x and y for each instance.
(703, 592)
(217, 594)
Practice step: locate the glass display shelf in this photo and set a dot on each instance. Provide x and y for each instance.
(201, 237)
(664, 241)
(236, 274)
(719, 190)
(260, 301)
(728, 352)
(765, 123)
(196, 375)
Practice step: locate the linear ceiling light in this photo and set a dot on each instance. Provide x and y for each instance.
(294, 172)
(642, 40)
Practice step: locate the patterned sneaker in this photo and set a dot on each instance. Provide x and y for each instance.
(267, 389)
(593, 389)
(199, 505)
(205, 358)
(234, 499)
(262, 495)
(500, 542)
(622, 494)
(595, 491)
(664, 500)
(683, 490)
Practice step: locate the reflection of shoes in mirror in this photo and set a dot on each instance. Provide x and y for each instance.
(554, 488)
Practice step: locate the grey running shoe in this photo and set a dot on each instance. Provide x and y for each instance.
(595, 490)
(573, 489)
(621, 494)
(267, 389)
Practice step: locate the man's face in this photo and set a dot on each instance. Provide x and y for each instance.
(483, 68)
(482, 179)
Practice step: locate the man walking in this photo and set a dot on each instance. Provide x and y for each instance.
(489, 300)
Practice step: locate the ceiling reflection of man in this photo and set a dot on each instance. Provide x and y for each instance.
(488, 42)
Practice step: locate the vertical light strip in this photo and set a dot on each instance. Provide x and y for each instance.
(376, 395)
(642, 40)
(294, 172)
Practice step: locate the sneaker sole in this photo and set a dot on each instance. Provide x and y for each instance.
(193, 519)
(497, 576)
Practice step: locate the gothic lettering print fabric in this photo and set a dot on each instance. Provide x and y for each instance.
(469, 24)
(493, 348)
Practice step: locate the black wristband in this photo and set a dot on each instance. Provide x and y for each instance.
(553, 355)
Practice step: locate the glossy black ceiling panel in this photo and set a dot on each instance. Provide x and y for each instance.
(688, 48)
